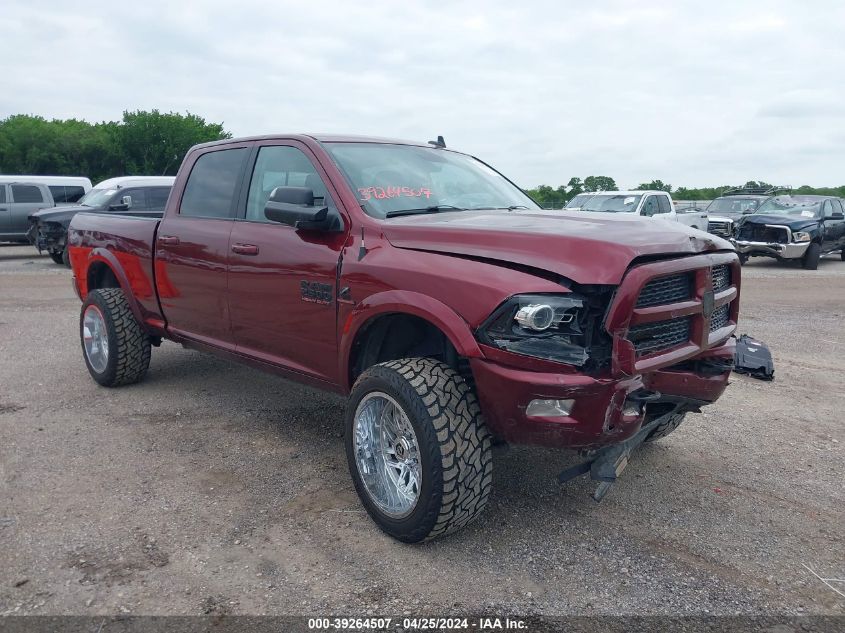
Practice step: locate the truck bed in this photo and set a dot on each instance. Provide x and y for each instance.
(130, 240)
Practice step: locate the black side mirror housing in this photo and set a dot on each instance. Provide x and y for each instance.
(124, 205)
(295, 207)
(836, 216)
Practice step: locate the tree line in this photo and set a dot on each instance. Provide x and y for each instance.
(152, 143)
(148, 143)
(556, 197)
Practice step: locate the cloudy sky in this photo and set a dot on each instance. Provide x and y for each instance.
(693, 93)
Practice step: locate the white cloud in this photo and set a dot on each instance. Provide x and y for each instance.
(691, 93)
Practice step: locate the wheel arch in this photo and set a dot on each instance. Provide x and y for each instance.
(418, 318)
(103, 270)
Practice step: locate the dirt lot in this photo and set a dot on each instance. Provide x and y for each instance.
(211, 488)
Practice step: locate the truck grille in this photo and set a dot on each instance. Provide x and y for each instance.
(720, 317)
(670, 289)
(763, 233)
(722, 228)
(721, 276)
(659, 336)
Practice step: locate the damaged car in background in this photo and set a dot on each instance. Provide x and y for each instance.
(798, 228)
(725, 210)
(133, 195)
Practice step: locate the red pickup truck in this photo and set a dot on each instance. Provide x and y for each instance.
(423, 284)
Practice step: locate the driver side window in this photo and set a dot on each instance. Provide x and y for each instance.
(281, 166)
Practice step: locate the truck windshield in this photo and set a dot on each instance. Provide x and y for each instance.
(788, 206)
(733, 205)
(96, 197)
(578, 201)
(390, 179)
(613, 203)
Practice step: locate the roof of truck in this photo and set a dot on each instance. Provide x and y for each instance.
(136, 181)
(322, 138)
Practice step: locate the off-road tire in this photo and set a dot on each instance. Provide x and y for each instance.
(66, 257)
(743, 260)
(454, 446)
(665, 428)
(129, 345)
(811, 257)
(58, 258)
(842, 254)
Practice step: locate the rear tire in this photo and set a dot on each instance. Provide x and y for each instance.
(115, 348)
(811, 257)
(665, 428)
(58, 258)
(453, 465)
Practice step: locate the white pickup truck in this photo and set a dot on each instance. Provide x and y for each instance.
(653, 204)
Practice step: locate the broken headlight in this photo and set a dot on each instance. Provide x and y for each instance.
(801, 236)
(551, 327)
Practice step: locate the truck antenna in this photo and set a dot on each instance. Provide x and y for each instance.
(438, 143)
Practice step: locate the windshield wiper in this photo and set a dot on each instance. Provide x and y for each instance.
(513, 207)
(436, 208)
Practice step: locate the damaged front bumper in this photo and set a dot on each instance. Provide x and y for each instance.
(790, 250)
(602, 411)
(48, 237)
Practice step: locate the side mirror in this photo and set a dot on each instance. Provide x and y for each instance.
(124, 205)
(836, 216)
(295, 207)
(747, 211)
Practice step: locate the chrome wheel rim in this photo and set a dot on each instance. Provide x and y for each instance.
(95, 338)
(387, 454)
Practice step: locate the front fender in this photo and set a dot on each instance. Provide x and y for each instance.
(456, 329)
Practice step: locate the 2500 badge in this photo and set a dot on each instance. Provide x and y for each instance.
(315, 292)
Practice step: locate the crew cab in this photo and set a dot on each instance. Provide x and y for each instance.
(798, 228)
(134, 195)
(430, 290)
(652, 204)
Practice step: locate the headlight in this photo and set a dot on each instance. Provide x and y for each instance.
(544, 326)
(801, 236)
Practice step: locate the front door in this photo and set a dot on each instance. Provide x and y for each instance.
(192, 248)
(833, 234)
(282, 281)
(25, 199)
(5, 210)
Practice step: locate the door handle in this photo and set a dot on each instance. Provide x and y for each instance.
(245, 249)
(168, 240)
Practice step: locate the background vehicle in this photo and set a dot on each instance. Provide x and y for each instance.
(134, 195)
(577, 202)
(429, 289)
(797, 228)
(17, 200)
(63, 189)
(725, 210)
(656, 204)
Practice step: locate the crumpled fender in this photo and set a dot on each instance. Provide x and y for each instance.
(456, 329)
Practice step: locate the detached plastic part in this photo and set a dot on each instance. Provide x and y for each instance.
(754, 358)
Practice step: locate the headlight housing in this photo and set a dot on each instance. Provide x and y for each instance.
(801, 236)
(552, 327)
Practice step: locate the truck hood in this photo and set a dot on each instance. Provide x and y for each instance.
(594, 248)
(62, 215)
(794, 222)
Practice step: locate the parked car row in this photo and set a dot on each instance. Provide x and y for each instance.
(21, 195)
(652, 204)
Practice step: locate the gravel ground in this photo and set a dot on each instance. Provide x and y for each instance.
(214, 489)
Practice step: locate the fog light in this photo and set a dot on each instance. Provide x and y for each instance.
(632, 409)
(549, 408)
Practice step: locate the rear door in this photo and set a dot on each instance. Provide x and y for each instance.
(192, 246)
(25, 199)
(282, 281)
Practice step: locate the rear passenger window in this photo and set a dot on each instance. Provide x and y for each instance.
(663, 204)
(62, 194)
(26, 193)
(157, 198)
(210, 189)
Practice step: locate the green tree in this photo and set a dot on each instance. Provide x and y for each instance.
(599, 183)
(654, 185)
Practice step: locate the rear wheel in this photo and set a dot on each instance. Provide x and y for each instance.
(58, 258)
(418, 451)
(811, 257)
(115, 348)
(665, 428)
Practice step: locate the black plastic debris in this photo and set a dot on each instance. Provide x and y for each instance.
(753, 358)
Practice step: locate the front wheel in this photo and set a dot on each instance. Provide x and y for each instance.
(811, 257)
(418, 450)
(58, 258)
(115, 348)
(665, 428)
(743, 259)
